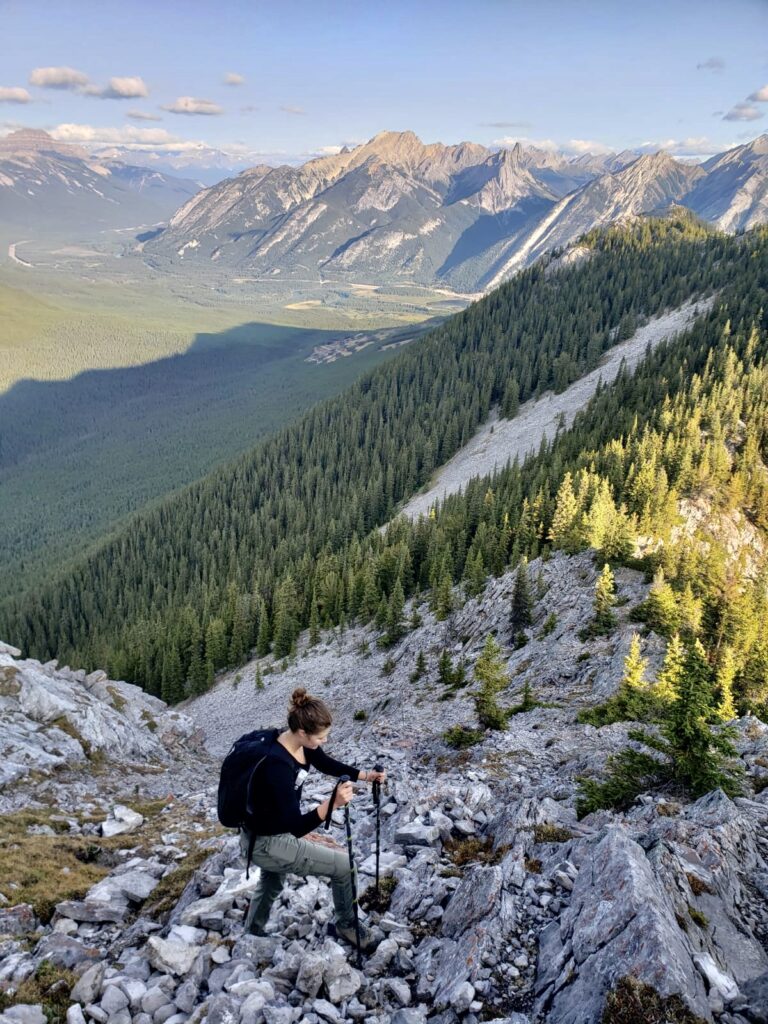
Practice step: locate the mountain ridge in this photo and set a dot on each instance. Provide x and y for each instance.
(463, 216)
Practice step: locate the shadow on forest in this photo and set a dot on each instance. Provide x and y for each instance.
(218, 369)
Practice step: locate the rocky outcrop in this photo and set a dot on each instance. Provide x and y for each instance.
(55, 718)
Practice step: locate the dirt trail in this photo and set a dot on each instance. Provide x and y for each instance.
(499, 441)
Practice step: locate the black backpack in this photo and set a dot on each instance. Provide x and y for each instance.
(237, 790)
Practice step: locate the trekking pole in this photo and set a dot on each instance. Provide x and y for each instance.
(353, 872)
(377, 803)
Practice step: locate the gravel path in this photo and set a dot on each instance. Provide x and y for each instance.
(500, 441)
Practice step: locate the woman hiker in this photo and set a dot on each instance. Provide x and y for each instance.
(282, 843)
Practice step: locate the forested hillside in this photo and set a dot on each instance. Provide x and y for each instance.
(282, 538)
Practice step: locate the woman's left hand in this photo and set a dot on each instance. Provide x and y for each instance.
(374, 776)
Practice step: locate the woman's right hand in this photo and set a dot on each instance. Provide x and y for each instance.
(344, 794)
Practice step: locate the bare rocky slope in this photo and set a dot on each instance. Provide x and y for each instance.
(505, 906)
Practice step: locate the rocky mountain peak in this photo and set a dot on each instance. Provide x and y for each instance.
(31, 141)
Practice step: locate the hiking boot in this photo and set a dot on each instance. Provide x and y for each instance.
(347, 932)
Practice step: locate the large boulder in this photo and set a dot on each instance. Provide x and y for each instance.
(620, 921)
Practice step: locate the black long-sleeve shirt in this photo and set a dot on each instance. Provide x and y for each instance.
(277, 790)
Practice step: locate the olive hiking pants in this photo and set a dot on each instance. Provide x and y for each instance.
(284, 854)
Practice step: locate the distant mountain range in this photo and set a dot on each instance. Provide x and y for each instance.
(465, 217)
(53, 189)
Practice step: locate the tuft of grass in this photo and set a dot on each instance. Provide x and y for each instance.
(360, 715)
(370, 901)
(533, 865)
(634, 1002)
(474, 850)
(47, 869)
(118, 700)
(668, 809)
(149, 721)
(697, 917)
(167, 893)
(697, 886)
(50, 987)
(547, 833)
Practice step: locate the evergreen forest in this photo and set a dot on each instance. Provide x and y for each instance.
(286, 537)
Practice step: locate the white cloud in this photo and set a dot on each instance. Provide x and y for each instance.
(119, 89)
(711, 64)
(14, 94)
(572, 147)
(693, 145)
(743, 112)
(58, 78)
(191, 105)
(759, 95)
(128, 135)
(505, 124)
(232, 78)
(510, 140)
(155, 144)
(288, 109)
(580, 146)
(142, 115)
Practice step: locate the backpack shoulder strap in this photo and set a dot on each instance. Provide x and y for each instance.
(252, 777)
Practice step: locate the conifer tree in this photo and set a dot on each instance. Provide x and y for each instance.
(172, 690)
(726, 673)
(667, 684)
(258, 678)
(474, 574)
(382, 612)
(521, 614)
(634, 688)
(660, 610)
(394, 622)
(510, 402)
(420, 668)
(697, 752)
(314, 623)
(445, 668)
(564, 532)
(264, 638)
(444, 596)
(491, 674)
(216, 643)
(197, 674)
(528, 701)
(286, 621)
(605, 599)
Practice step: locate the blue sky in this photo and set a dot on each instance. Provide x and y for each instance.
(311, 76)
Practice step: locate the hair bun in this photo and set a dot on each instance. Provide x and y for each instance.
(299, 697)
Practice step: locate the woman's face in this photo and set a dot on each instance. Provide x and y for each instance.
(313, 740)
